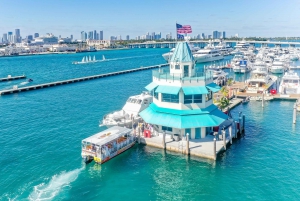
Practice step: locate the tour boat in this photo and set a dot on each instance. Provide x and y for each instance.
(107, 144)
(129, 113)
(260, 80)
(290, 83)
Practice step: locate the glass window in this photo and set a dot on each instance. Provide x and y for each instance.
(177, 66)
(165, 128)
(170, 98)
(209, 95)
(295, 81)
(139, 101)
(198, 98)
(188, 99)
(155, 94)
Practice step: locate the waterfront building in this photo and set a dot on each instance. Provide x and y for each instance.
(224, 35)
(99, 44)
(48, 39)
(29, 38)
(17, 36)
(83, 36)
(4, 38)
(36, 35)
(101, 35)
(10, 37)
(90, 35)
(183, 98)
(203, 36)
(71, 37)
(215, 34)
(95, 35)
(127, 37)
(209, 36)
(169, 36)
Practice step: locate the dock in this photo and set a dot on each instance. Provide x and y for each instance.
(58, 83)
(9, 78)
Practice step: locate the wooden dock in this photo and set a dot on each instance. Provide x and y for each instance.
(52, 84)
(9, 78)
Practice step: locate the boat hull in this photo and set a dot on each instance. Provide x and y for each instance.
(277, 70)
(204, 59)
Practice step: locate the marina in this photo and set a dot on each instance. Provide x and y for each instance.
(9, 78)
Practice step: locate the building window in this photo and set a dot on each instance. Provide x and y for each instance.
(196, 98)
(170, 98)
(155, 94)
(209, 95)
(177, 66)
(165, 128)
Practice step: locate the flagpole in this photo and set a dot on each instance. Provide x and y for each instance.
(176, 31)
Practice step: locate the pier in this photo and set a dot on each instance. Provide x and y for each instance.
(9, 78)
(57, 83)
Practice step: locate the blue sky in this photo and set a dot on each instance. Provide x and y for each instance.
(136, 17)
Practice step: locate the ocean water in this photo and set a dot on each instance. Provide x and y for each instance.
(41, 133)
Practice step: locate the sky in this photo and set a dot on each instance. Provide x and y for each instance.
(261, 18)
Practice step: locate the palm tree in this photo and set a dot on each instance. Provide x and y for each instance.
(224, 91)
(224, 102)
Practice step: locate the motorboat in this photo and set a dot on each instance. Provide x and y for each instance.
(242, 45)
(30, 80)
(129, 114)
(260, 80)
(290, 83)
(217, 71)
(277, 66)
(246, 100)
(240, 64)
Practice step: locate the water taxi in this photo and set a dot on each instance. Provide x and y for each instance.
(107, 144)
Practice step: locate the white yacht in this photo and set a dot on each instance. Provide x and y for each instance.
(217, 72)
(167, 56)
(277, 66)
(242, 45)
(129, 113)
(207, 55)
(240, 64)
(290, 83)
(224, 49)
(260, 80)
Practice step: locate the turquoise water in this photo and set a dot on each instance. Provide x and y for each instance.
(41, 132)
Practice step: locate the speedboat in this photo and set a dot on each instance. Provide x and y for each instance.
(30, 80)
(290, 83)
(260, 80)
(129, 113)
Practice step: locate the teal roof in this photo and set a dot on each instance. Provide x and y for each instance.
(194, 90)
(213, 87)
(167, 89)
(168, 117)
(151, 86)
(182, 53)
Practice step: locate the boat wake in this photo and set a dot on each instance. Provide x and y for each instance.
(56, 184)
(23, 83)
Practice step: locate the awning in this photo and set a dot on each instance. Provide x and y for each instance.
(151, 86)
(213, 87)
(215, 118)
(167, 89)
(194, 90)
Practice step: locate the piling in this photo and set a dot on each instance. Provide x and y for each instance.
(263, 99)
(230, 133)
(139, 138)
(243, 122)
(236, 129)
(295, 113)
(224, 138)
(215, 148)
(187, 144)
(240, 123)
(164, 140)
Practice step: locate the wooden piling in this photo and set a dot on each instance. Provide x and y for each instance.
(164, 140)
(215, 149)
(139, 138)
(224, 138)
(187, 144)
(295, 113)
(243, 122)
(230, 133)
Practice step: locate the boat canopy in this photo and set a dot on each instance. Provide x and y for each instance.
(107, 135)
(151, 86)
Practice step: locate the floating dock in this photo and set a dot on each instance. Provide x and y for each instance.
(9, 78)
(52, 84)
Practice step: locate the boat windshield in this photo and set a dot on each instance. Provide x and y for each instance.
(133, 100)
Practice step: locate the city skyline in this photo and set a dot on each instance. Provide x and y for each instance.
(255, 18)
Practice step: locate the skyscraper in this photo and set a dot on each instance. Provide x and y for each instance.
(90, 35)
(101, 35)
(17, 36)
(215, 34)
(10, 37)
(29, 37)
(36, 35)
(71, 37)
(95, 35)
(83, 36)
(224, 35)
(203, 36)
(127, 37)
(4, 38)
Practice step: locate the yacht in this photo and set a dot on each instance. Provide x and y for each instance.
(260, 80)
(224, 49)
(290, 83)
(129, 113)
(240, 64)
(207, 55)
(217, 72)
(277, 66)
(167, 56)
(242, 45)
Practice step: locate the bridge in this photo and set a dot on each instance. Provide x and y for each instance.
(203, 43)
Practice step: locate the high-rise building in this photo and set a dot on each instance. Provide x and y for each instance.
(10, 37)
(17, 36)
(95, 35)
(101, 35)
(224, 35)
(127, 37)
(4, 38)
(71, 37)
(29, 37)
(90, 35)
(59, 36)
(215, 34)
(209, 36)
(36, 35)
(120, 37)
(203, 36)
(83, 36)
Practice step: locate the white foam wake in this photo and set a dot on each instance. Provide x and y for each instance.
(23, 83)
(56, 184)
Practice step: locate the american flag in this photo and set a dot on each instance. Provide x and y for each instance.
(183, 29)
